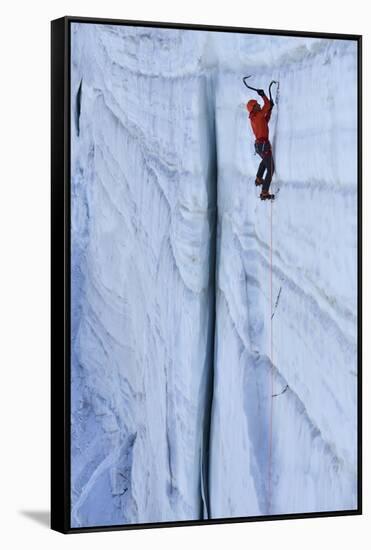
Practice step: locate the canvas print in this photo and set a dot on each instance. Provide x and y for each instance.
(213, 275)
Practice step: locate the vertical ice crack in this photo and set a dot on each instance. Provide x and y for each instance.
(78, 108)
(212, 188)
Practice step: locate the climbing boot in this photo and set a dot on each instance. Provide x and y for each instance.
(265, 195)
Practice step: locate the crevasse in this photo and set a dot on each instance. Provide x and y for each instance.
(175, 360)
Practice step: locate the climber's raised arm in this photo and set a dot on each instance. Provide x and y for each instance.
(267, 107)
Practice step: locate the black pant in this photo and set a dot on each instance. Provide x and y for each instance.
(264, 150)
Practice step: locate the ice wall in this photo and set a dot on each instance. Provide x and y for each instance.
(160, 139)
(143, 196)
(283, 434)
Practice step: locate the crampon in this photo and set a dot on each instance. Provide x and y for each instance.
(266, 196)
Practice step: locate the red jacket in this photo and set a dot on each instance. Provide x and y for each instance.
(259, 120)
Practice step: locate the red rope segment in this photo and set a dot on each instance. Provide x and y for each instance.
(271, 368)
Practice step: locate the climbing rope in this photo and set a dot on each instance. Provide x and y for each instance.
(271, 368)
(271, 315)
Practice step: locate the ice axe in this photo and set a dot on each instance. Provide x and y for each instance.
(270, 92)
(247, 86)
(257, 89)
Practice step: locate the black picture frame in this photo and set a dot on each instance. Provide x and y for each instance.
(61, 284)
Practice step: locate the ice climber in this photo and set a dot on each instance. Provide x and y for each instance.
(259, 119)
